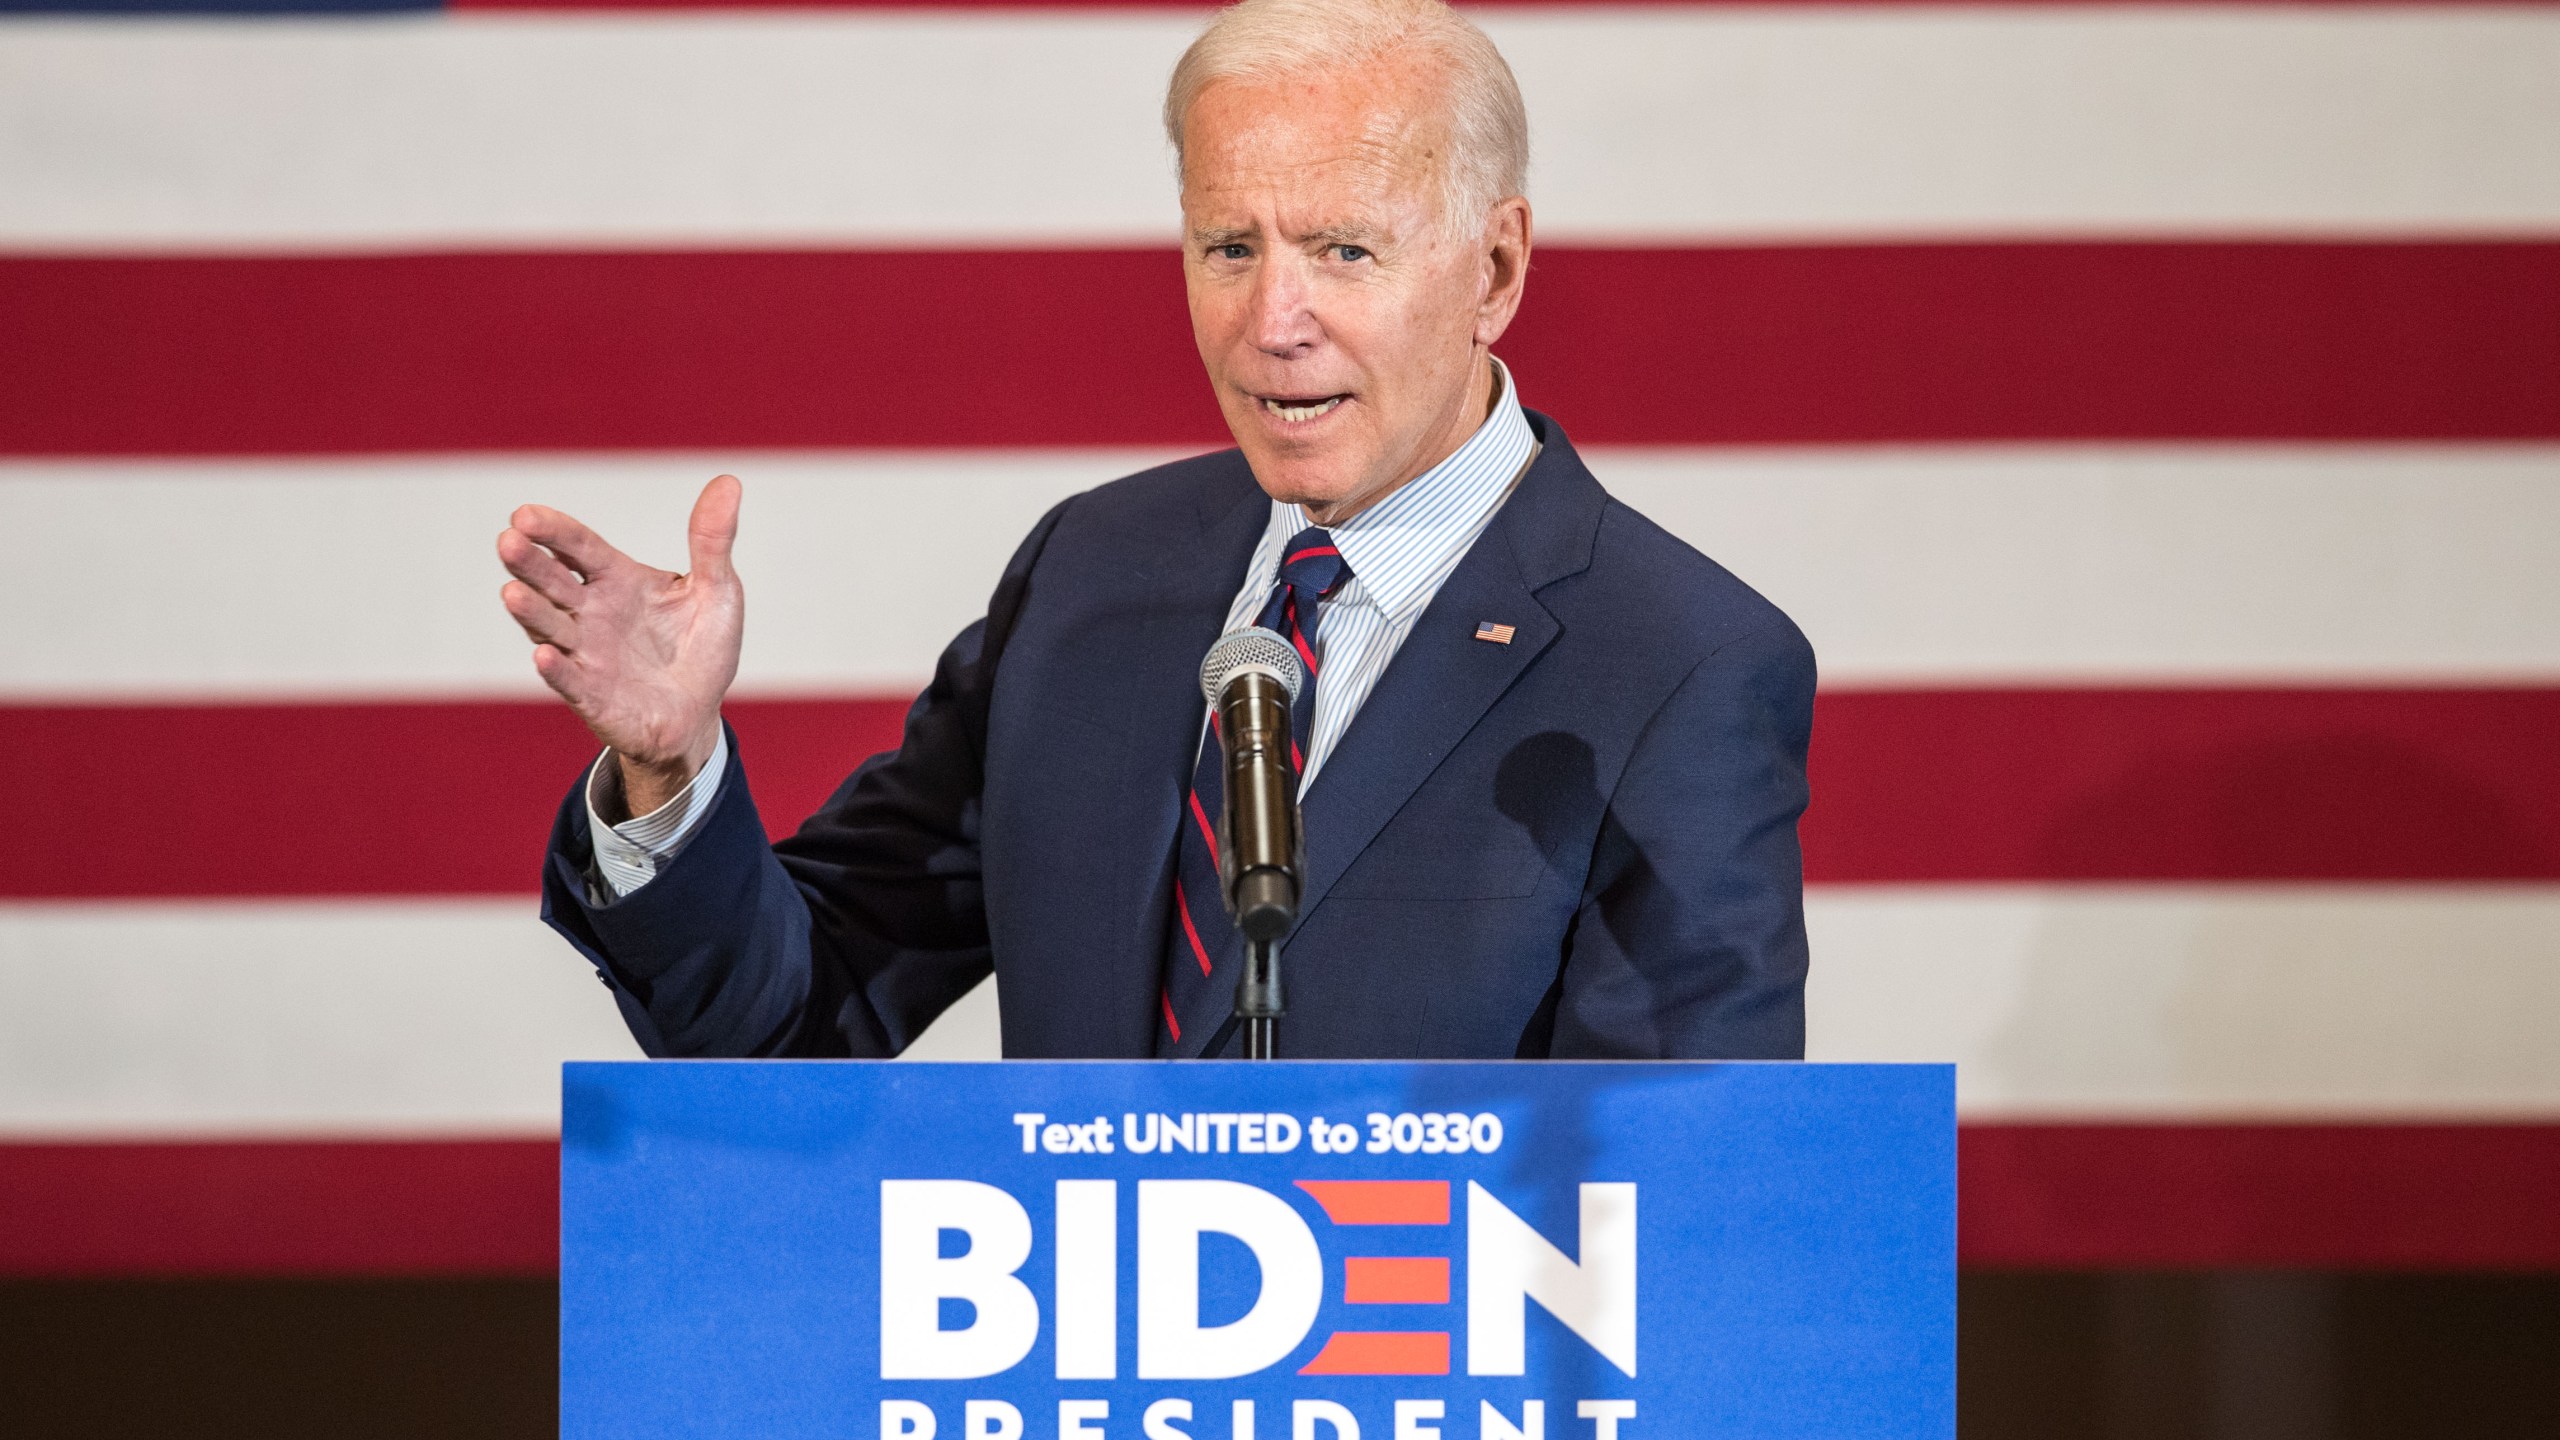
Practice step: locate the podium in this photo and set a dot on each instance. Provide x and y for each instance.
(1286, 1251)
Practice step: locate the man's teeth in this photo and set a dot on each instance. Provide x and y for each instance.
(1287, 411)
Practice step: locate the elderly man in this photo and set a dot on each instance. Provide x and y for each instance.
(1553, 759)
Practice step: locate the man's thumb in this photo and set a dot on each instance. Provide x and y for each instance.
(714, 529)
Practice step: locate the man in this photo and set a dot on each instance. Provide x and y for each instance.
(1552, 758)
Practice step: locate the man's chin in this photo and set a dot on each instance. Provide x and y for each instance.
(1315, 488)
(1312, 476)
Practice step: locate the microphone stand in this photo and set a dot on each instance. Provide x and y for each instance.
(1267, 907)
(1258, 997)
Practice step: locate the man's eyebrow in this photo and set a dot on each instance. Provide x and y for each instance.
(1348, 234)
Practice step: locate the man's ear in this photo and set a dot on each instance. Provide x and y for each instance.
(1506, 268)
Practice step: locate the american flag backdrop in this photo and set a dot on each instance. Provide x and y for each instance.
(2150, 411)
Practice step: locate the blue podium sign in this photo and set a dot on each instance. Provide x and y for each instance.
(1285, 1251)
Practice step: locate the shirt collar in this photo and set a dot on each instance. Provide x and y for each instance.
(1401, 548)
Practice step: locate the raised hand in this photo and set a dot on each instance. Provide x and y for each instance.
(641, 654)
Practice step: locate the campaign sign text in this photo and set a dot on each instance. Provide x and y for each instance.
(1288, 1251)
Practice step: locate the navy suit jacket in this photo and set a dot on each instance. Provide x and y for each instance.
(1582, 843)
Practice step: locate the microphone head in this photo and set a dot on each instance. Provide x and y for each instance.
(1252, 648)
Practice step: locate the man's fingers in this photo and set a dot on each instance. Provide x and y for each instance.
(713, 530)
(539, 568)
(582, 549)
(557, 671)
(544, 623)
(568, 680)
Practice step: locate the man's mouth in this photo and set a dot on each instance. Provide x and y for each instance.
(1297, 410)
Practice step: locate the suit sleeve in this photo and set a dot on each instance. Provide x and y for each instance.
(1690, 940)
(846, 939)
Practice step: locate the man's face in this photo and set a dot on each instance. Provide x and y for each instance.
(1344, 325)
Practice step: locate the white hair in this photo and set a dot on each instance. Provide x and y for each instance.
(1260, 41)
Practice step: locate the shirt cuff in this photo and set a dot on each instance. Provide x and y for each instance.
(628, 855)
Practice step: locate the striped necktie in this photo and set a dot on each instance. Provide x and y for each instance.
(1204, 948)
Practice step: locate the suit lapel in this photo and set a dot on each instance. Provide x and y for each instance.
(1439, 685)
(1443, 679)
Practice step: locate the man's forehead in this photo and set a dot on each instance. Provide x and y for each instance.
(1380, 115)
(1312, 183)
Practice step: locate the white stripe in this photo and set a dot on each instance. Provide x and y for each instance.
(2163, 1002)
(2117, 120)
(1651, 124)
(291, 1018)
(1993, 564)
(2218, 1002)
(237, 577)
(297, 1018)
(2171, 563)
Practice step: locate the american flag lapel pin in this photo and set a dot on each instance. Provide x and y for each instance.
(1498, 634)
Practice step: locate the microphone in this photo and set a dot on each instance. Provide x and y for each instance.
(1250, 677)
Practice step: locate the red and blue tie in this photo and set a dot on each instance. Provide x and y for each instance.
(1205, 947)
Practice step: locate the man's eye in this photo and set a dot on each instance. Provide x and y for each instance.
(1352, 252)
(1232, 252)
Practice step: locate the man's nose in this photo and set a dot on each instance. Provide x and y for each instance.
(1283, 317)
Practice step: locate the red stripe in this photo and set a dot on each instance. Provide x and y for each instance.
(1200, 952)
(1310, 550)
(281, 1208)
(1805, 343)
(1395, 1280)
(2477, 1197)
(1381, 1202)
(1208, 833)
(1196, 5)
(1170, 1024)
(324, 799)
(2186, 785)
(1381, 1352)
(1944, 785)
(590, 5)
(1298, 637)
(551, 350)
(2097, 1196)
